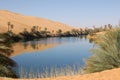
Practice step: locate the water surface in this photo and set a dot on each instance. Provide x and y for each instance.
(56, 51)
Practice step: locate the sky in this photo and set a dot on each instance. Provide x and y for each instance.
(77, 13)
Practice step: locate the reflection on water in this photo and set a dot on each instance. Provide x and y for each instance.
(51, 51)
(41, 44)
(36, 45)
(21, 48)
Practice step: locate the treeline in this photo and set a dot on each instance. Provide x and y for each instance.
(36, 32)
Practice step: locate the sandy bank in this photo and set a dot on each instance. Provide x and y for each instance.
(113, 74)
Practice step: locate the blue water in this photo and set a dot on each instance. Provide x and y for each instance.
(69, 51)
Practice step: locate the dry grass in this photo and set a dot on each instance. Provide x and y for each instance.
(45, 71)
(104, 75)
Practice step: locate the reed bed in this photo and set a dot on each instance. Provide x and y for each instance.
(51, 71)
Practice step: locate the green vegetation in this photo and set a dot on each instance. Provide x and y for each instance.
(106, 55)
(6, 64)
(36, 32)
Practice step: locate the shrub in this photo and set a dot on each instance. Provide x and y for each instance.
(106, 54)
(6, 64)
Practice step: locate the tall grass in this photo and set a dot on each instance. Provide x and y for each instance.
(106, 54)
(51, 71)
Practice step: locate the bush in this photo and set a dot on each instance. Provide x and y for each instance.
(106, 54)
(6, 64)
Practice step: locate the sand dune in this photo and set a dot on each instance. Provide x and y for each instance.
(21, 22)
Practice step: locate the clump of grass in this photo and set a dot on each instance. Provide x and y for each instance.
(106, 54)
(51, 71)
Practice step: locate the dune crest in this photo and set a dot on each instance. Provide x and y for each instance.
(21, 22)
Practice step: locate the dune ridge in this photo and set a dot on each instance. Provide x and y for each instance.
(21, 22)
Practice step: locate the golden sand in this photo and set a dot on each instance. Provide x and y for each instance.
(21, 22)
(113, 74)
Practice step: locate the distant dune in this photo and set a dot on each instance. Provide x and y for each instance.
(21, 22)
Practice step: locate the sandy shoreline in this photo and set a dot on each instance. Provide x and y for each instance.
(113, 74)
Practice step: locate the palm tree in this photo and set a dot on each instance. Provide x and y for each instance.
(45, 29)
(109, 26)
(11, 26)
(8, 25)
(52, 31)
(81, 31)
(59, 32)
(106, 53)
(39, 28)
(46, 32)
(33, 29)
(105, 27)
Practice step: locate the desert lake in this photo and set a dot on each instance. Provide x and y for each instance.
(40, 55)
